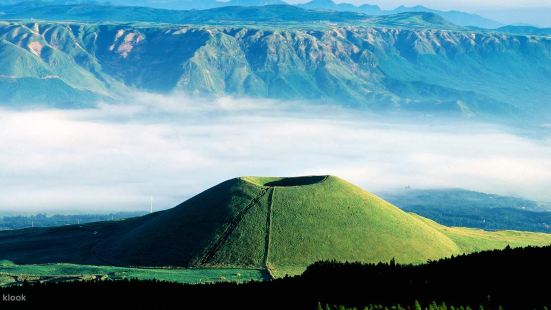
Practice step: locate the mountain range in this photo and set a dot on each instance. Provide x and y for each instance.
(404, 62)
(456, 17)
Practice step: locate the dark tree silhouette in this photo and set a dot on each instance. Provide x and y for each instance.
(510, 278)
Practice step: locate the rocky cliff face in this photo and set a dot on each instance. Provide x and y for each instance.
(380, 68)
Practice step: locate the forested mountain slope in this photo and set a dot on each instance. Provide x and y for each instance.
(410, 61)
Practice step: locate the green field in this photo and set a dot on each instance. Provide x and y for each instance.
(280, 225)
(474, 240)
(11, 274)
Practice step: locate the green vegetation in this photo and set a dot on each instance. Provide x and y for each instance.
(335, 220)
(12, 274)
(456, 17)
(415, 20)
(226, 15)
(472, 240)
(230, 15)
(280, 225)
(379, 63)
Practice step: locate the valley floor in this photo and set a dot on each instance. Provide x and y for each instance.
(12, 274)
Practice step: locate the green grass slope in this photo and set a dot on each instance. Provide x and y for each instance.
(15, 92)
(474, 240)
(193, 233)
(34, 71)
(333, 219)
(278, 224)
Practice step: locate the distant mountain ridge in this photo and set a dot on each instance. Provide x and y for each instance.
(535, 16)
(456, 17)
(221, 15)
(455, 207)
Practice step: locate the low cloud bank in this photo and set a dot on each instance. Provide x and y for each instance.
(172, 147)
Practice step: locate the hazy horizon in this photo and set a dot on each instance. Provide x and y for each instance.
(172, 147)
(537, 12)
(447, 5)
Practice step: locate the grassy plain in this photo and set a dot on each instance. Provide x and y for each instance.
(11, 274)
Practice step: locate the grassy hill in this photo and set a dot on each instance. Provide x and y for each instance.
(280, 224)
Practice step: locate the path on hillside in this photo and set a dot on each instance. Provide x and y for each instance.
(230, 228)
(268, 231)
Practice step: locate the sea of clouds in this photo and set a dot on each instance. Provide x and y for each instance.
(116, 156)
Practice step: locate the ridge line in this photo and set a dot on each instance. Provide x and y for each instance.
(268, 233)
(230, 228)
